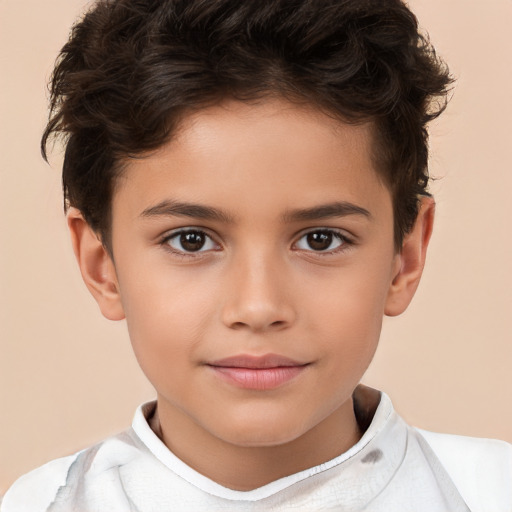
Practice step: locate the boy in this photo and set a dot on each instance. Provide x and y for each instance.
(246, 184)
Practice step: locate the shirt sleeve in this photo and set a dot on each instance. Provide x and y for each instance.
(36, 491)
(481, 469)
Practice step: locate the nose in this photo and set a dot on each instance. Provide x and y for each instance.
(258, 297)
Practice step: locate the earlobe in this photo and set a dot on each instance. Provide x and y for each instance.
(411, 260)
(96, 265)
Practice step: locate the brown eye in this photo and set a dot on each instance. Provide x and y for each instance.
(191, 241)
(321, 241)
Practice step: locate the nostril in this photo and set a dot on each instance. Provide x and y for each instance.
(256, 313)
(238, 325)
(278, 324)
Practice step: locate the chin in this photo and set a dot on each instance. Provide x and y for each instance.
(258, 434)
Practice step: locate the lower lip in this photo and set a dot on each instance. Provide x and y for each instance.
(258, 378)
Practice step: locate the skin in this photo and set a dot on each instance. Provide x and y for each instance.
(259, 285)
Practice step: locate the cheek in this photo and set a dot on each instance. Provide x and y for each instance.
(167, 315)
(348, 312)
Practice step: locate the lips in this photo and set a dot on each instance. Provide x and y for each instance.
(257, 372)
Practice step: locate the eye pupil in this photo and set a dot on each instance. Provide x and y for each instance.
(319, 241)
(192, 241)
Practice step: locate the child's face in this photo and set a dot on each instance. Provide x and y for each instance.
(259, 231)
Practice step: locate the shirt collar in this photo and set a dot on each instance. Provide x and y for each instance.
(374, 458)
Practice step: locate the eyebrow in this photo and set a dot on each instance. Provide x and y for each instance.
(170, 208)
(326, 211)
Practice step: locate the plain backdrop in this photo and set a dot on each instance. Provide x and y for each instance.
(68, 377)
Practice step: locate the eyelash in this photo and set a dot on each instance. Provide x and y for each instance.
(178, 233)
(345, 241)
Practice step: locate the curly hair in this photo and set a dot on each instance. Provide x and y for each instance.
(132, 69)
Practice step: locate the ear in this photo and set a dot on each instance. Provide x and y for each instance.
(410, 260)
(96, 265)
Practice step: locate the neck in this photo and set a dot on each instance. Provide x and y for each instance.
(221, 460)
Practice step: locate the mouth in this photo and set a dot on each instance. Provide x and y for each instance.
(257, 372)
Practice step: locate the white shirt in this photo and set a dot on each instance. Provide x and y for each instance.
(393, 468)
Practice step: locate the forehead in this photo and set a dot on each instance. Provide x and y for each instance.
(245, 155)
(277, 125)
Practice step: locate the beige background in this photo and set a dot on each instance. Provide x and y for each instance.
(67, 376)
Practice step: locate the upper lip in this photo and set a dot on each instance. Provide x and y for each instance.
(256, 362)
